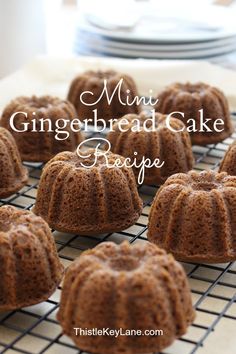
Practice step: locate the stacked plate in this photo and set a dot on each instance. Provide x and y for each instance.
(158, 35)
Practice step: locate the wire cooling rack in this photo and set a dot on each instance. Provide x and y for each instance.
(36, 330)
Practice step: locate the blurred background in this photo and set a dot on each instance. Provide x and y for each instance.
(151, 29)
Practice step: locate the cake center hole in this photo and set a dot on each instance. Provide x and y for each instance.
(39, 103)
(104, 74)
(192, 88)
(124, 263)
(205, 186)
(90, 161)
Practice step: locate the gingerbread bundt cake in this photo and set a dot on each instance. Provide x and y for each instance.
(13, 176)
(189, 99)
(41, 145)
(136, 287)
(193, 216)
(77, 198)
(29, 265)
(171, 147)
(229, 161)
(91, 85)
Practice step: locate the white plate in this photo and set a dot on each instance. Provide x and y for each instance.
(111, 43)
(158, 55)
(97, 48)
(215, 22)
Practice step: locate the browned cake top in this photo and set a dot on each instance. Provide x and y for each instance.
(12, 219)
(205, 181)
(37, 103)
(85, 159)
(106, 74)
(198, 87)
(125, 257)
(145, 123)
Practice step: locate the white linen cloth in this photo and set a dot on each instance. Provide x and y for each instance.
(49, 75)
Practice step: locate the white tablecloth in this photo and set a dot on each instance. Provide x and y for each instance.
(48, 75)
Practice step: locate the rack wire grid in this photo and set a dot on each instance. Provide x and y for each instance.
(35, 329)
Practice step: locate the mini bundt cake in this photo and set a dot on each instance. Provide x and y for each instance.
(137, 287)
(30, 269)
(228, 163)
(189, 99)
(193, 216)
(91, 85)
(13, 176)
(76, 197)
(41, 145)
(172, 148)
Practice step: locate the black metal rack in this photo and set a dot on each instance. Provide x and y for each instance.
(35, 329)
